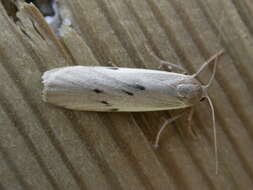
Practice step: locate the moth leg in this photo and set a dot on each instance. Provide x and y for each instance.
(191, 132)
(166, 123)
(165, 64)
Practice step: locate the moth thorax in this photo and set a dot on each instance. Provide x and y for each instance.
(191, 92)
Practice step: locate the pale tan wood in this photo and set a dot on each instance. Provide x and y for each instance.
(45, 147)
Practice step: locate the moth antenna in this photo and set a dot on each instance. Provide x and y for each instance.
(208, 62)
(214, 133)
(213, 74)
(205, 88)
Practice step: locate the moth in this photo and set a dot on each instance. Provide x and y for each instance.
(115, 89)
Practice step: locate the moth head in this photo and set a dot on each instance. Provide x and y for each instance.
(191, 89)
(192, 92)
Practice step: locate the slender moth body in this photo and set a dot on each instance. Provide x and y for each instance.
(115, 89)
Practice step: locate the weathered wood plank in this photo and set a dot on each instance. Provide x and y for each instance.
(45, 147)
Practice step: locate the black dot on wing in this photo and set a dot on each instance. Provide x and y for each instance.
(98, 91)
(105, 102)
(128, 93)
(139, 87)
(113, 110)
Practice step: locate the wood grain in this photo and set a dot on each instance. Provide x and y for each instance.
(44, 147)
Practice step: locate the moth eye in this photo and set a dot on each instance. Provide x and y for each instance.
(202, 99)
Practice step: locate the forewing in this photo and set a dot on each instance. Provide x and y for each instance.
(112, 89)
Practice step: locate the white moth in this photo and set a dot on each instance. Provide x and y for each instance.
(115, 89)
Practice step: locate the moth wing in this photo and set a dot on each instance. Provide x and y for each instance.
(112, 89)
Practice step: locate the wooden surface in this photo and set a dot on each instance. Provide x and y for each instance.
(44, 147)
